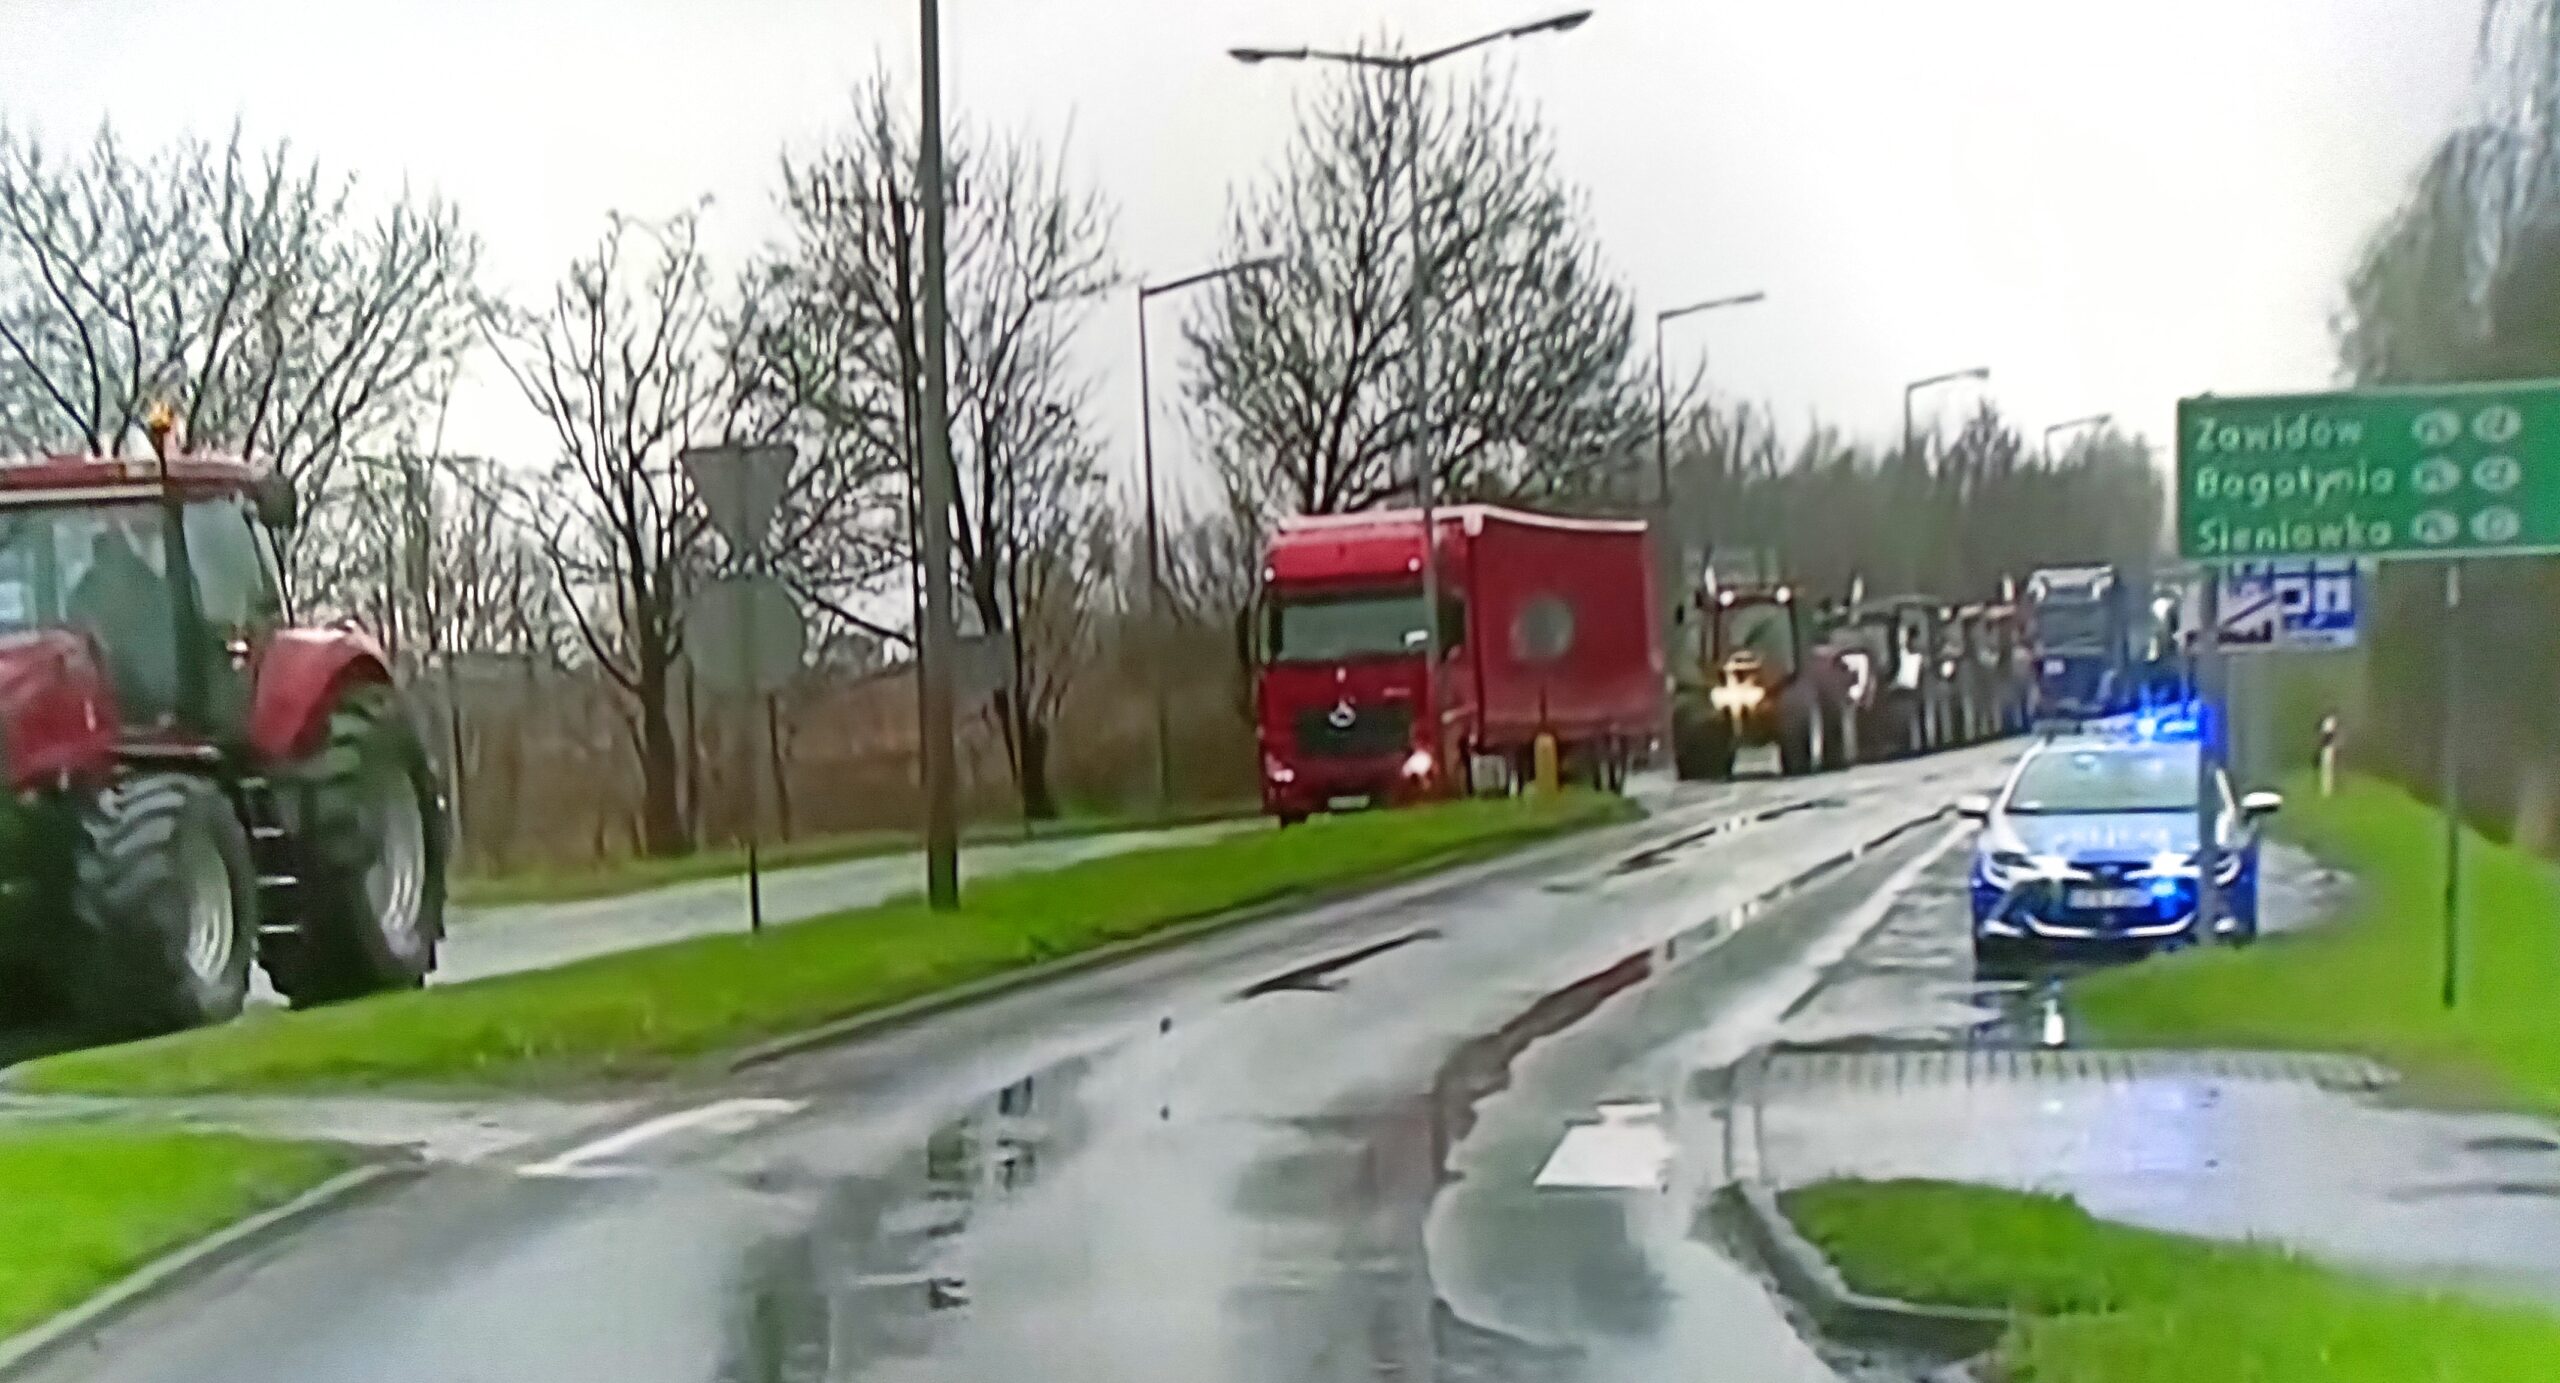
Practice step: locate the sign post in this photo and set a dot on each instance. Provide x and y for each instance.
(745, 630)
(2451, 771)
(2445, 472)
(2209, 753)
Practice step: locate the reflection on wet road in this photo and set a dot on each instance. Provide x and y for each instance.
(1048, 1223)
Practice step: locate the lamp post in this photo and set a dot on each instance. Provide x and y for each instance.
(1662, 394)
(2093, 420)
(1426, 475)
(934, 494)
(1155, 530)
(1915, 386)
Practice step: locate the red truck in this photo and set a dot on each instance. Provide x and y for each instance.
(1546, 624)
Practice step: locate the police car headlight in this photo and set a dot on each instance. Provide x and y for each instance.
(2002, 868)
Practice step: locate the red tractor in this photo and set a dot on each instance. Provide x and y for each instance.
(195, 783)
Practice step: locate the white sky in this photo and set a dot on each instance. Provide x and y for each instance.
(2110, 204)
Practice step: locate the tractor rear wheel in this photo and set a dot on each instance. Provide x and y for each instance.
(370, 840)
(164, 909)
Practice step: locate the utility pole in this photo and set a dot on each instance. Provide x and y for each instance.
(935, 749)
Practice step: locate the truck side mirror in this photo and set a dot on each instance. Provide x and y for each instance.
(278, 504)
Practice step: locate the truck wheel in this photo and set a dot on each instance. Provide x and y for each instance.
(1692, 744)
(164, 909)
(1833, 716)
(370, 838)
(1797, 728)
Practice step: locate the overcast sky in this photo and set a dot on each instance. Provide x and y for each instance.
(2109, 204)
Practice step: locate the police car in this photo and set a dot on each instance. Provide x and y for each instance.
(2089, 849)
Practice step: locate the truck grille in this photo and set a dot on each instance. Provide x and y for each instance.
(1370, 731)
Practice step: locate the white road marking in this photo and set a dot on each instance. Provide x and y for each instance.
(720, 1118)
(1624, 1150)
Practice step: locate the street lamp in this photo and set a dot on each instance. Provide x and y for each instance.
(1155, 531)
(1662, 388)
(1915, 386)
(2093, 420)
(1427, 479)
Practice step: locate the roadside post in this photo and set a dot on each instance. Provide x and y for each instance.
(744, 630)
(2210, 749)
(2442, 473)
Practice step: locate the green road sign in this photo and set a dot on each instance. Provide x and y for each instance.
(2458, 470)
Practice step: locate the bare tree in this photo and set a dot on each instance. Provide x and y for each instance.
(1950, 523)
(628, 364)
(1301, 378)
(840, 340)
(245, 288)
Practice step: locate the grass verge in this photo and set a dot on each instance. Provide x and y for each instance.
(2372, 981)
(2096, 1302)
(639, 1013)
(619, 877)
(84, 1204)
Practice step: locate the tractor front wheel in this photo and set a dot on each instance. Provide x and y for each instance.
(164, 909)
(371, 843)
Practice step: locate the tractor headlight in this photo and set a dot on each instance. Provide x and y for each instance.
(1737, 696)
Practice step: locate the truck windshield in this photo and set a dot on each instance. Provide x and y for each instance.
(2077, 626)
(1331, 628)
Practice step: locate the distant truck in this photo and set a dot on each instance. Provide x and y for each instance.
(1547, 625)
(2083, 622)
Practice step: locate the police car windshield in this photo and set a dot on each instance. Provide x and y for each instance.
(2143, 778)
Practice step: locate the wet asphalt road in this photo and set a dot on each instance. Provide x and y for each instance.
(1458, 1131)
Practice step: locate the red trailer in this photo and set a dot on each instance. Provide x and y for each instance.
(1546, 626)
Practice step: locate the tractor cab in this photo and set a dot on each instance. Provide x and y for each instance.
(172, 580)
(199, 786)
(1756, 640)
(1763, 684)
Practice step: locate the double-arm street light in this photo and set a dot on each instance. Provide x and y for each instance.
(1915, 386)
(1426, 477)
(2093, 420)
(1155, 531)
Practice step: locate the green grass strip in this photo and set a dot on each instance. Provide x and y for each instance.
(2097, 1302)
(2372, 981)
(626, 876)
(84, 1204)
(639, 1013)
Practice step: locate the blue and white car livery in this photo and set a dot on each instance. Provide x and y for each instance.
(2091, 846)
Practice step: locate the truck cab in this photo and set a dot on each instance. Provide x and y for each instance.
(1341, 640)
(2082, 631)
